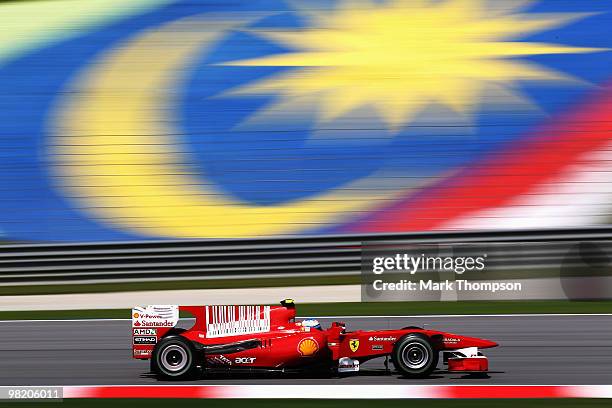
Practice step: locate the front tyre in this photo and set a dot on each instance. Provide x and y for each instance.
(414, 357)
(174, 358)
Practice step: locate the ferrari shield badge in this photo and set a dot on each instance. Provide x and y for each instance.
(354, 345)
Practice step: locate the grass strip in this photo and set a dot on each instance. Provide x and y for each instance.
(177, 285)
(279, 281)
(363, 309)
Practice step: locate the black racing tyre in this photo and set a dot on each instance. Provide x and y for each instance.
(414, 357)
(175, 358)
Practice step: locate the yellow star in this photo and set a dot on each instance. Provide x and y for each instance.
(402, 56)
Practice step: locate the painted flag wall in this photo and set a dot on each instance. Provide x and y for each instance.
(155, 119)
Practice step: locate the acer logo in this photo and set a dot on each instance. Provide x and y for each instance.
(245, 360)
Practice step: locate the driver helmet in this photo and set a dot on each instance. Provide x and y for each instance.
(312, 323)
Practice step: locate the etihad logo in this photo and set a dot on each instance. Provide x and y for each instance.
(145, 340)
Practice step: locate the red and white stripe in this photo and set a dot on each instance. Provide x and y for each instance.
(559, 176)
(339, 391)
(581, 194)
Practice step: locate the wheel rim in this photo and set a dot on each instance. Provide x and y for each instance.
(174, 358)
(415, 356)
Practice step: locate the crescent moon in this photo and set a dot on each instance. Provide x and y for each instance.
(115, 151)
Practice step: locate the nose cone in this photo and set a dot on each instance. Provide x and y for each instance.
(483, 343)
(453, 341)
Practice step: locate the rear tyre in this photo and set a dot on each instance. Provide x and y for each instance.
(175, 358)
(414, 357)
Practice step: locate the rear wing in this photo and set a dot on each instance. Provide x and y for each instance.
(155, 316)
(151, 323)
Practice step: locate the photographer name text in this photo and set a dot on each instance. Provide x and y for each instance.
(446, 285)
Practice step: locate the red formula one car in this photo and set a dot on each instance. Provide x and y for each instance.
(228, 339)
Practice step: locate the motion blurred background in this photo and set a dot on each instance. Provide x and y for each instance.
(169, 120)
(155, 119)
(246, 151)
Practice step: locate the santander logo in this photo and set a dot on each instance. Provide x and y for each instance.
(163, 323)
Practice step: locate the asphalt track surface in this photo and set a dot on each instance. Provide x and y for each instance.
(534, 350)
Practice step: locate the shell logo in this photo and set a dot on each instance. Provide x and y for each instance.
(136, 315)
(308, 347)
